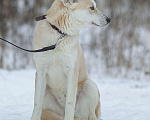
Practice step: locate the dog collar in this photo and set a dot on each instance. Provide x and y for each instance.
(57, 29)
(53, 26)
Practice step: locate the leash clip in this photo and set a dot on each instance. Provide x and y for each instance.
(60, 39)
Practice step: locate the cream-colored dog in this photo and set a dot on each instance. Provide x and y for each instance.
(63, 90)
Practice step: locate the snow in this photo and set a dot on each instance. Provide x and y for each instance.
(121, 99)
(16, 94)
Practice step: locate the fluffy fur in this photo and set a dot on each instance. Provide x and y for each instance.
(63, 90)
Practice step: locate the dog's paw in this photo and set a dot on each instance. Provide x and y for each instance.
(35, 118)
(78, 119)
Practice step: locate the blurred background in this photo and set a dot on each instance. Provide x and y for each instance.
(120, 49)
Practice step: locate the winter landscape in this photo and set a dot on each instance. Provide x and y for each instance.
(121, 99)
(117, 58)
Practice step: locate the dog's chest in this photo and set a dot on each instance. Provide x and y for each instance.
(57, 78)
(57, 64)
(57, 71)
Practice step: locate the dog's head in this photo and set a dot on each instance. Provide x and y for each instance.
(70, 18)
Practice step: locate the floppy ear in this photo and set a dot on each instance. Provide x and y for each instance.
(40, 18)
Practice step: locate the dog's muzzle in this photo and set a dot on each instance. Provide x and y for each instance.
(108, 20)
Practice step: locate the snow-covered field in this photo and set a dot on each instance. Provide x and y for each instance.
(121, 99)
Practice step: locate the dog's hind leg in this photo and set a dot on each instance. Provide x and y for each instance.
(88, 101)
(49, 115)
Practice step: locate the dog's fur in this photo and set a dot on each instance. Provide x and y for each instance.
(62, 87)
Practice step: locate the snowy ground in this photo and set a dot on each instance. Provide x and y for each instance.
(121, 99)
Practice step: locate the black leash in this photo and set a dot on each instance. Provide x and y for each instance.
(39, 50)
(52, 47)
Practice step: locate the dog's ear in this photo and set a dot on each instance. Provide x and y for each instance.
(69, 3)
(40, 18)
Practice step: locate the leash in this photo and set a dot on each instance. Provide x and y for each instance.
(39, 50)
(52, 47)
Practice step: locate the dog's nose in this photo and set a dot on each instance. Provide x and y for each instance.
(108, 20)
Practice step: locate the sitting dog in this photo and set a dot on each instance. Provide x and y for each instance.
(63, 90)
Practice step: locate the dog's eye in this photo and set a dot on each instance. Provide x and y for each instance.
(92, 8)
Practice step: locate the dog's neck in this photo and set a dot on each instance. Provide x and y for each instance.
(51, 35)
(67, 23)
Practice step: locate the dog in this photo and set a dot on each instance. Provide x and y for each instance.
(63, 90)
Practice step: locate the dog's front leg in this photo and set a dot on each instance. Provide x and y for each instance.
(40, 86)
(71, 93)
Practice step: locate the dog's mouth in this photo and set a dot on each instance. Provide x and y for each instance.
(94, 24)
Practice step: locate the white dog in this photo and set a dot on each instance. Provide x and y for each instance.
(63, 90)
